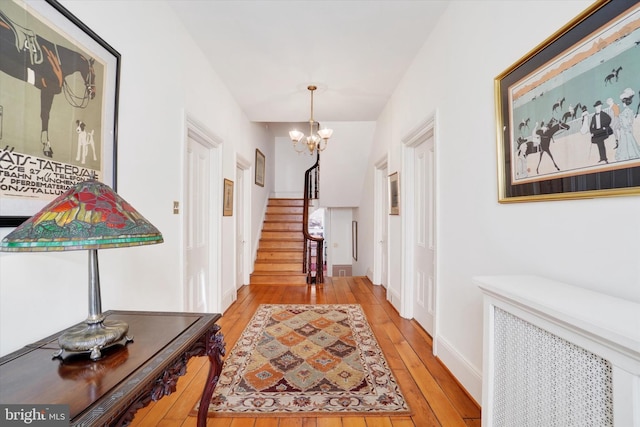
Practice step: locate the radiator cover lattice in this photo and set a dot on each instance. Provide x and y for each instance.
(543, 380)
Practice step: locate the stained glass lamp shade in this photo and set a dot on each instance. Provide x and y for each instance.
(88, 216)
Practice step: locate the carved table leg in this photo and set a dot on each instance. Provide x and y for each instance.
(215, 351)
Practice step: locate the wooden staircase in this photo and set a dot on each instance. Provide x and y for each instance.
(281, 249)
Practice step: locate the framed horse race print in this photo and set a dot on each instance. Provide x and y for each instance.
(568, 113)
(58, 106)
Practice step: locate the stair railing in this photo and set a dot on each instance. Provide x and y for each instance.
(312, 244)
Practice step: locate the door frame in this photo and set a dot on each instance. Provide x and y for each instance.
(380, 215)
(198, 131)
(245, 166)
(419, 134)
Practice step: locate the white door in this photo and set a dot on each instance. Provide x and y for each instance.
(384, 247)
(240, 238)
(197, 216)
(423, 221)
(381, 218)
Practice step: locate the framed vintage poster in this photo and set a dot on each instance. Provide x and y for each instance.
(259, 168)
(58, 106)
(567, 112)
(394, 194)
(227, 203)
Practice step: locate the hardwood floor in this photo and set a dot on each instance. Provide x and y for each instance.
(434, 396)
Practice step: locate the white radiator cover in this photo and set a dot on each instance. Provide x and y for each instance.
(558, 355)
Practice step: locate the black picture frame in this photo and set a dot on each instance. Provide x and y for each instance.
(80, 140)
(555, 88)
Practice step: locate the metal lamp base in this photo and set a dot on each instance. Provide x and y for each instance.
(93, 337)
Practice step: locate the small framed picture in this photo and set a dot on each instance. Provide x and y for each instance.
(394, 194)
(259, 168)
(227, 205)
(354, 240)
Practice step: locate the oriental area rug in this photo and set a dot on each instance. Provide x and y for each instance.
(306, 360)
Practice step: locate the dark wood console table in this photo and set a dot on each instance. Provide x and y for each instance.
(109, 391)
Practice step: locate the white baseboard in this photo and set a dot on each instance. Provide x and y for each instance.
(228, 298)
(393, 296)
(467, 375)
(369, 275)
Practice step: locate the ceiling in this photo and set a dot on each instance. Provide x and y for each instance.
(268, 51)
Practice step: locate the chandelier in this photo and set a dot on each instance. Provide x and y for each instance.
(314, 142)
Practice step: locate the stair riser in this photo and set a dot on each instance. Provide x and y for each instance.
(288, 210)
(278, 267)
(283, 218)
(274, 244)
(286, 202)
(283, 235)
(280, 256)
(282, 226)
(289, 279)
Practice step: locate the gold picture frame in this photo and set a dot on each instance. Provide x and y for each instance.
(227, 198)
(549, 143)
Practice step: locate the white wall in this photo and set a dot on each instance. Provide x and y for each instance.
(593, 244)
(290, 168)
(339, 242)
(343, 163)
(163, 77)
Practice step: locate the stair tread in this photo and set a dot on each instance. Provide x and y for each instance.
(276, 261)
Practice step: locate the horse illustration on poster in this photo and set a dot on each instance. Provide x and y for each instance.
(46, 65)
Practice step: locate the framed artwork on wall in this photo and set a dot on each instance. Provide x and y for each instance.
(227, 204)
(260, 166)
(394, 194)
(58, 106)
(567, 122)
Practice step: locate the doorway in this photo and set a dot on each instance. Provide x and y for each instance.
(381, 218)
(420, 278)
(243, 221)
(201, 220)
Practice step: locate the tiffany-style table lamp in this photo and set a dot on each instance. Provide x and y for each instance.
(88, 216)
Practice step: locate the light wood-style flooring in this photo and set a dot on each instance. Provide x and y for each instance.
(434, 396)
